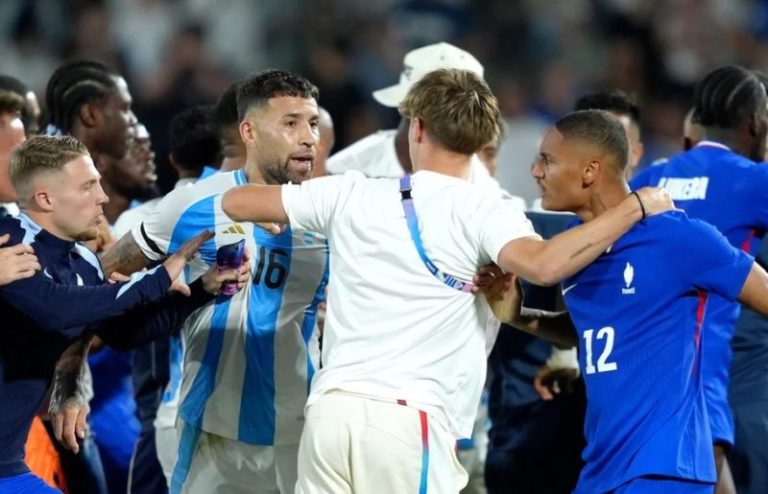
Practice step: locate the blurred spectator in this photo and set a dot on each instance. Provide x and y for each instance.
(30, 112)
(11, 135)
(228, 130)
(324, 143)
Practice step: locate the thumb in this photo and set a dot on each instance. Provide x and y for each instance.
(4, 238)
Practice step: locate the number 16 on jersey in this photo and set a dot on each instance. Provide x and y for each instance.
(606, 334)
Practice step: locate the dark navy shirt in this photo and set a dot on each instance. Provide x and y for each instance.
(44, 314)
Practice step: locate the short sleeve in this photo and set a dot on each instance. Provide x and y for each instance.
(311, 205)
(710, 261)
(178, 217)
(500, 222)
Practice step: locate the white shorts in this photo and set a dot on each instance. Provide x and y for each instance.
(167, 445)
(353, 444)
(208, 464)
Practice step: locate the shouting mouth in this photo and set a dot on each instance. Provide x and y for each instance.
(303, 162)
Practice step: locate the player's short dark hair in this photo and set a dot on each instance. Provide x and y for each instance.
(10, 83)
(71, 86)
(11, 102)
(259, 88)
(192, 138)
(727, 97)
(225, 111)
(600, 129)
(614, 101)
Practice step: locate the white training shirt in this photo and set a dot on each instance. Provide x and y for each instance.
(374, 156)
(393, 330)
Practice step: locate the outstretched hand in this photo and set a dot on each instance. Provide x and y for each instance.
(503, 292)
(16, 262)
(176, 262)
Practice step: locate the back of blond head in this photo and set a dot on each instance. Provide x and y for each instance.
(457, 107)
(41, 154)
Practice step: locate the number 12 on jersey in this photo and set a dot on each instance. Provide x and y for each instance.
(603, 365)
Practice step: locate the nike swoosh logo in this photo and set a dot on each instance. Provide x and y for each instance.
(569, 288)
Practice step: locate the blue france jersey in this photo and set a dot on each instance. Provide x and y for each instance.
(638, 310)
(248, 359)
(730, 192)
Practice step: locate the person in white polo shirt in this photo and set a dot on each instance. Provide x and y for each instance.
(404, 349)
(384, 154)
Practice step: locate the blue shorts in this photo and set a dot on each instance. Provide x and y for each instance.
(664, 485)
(26, 483)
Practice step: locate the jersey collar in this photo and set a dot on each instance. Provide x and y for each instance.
(712, 144)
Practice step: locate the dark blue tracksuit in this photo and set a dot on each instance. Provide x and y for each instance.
(43, 315)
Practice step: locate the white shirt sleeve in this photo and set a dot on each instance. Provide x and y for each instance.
(499, 223)
(311, 205)
(153, 234)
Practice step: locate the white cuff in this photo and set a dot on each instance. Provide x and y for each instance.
(563, 359)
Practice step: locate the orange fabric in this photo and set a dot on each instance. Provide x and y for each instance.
(41, 457)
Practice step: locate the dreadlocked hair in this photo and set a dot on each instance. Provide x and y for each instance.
(71, 86)
(727, 97)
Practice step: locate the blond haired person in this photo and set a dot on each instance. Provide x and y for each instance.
(404, 351)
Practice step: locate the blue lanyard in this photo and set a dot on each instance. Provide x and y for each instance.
(413, 228)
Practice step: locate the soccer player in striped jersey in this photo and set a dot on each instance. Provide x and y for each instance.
(719, 182)
(637, 311)
(248, 359)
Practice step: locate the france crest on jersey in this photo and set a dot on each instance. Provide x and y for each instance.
(714, 184)
(248, 358)
(638, 311)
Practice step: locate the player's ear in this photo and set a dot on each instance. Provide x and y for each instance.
(417, 129)
(590, 172)
(247, 130)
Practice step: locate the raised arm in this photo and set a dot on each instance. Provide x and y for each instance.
(546, 262)
(51, 305)
(151, 321)
(255, 203)
(754, 293)
(124, 257)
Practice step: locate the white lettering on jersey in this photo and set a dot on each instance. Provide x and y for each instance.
(603, 365)
(685, 189)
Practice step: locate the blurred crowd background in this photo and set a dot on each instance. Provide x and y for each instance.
(538, 55)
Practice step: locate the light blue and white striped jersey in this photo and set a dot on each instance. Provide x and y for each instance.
(248, 359)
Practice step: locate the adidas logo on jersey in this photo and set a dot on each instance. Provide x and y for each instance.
(629, 276)
(235, 229)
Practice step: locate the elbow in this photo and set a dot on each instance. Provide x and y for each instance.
(229, 206)
(545, 275)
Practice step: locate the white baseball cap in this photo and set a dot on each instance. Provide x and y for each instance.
(421, 61)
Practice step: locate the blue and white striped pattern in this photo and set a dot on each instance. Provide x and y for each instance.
(247, 362)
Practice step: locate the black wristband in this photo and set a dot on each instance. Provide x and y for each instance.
(642, 207)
